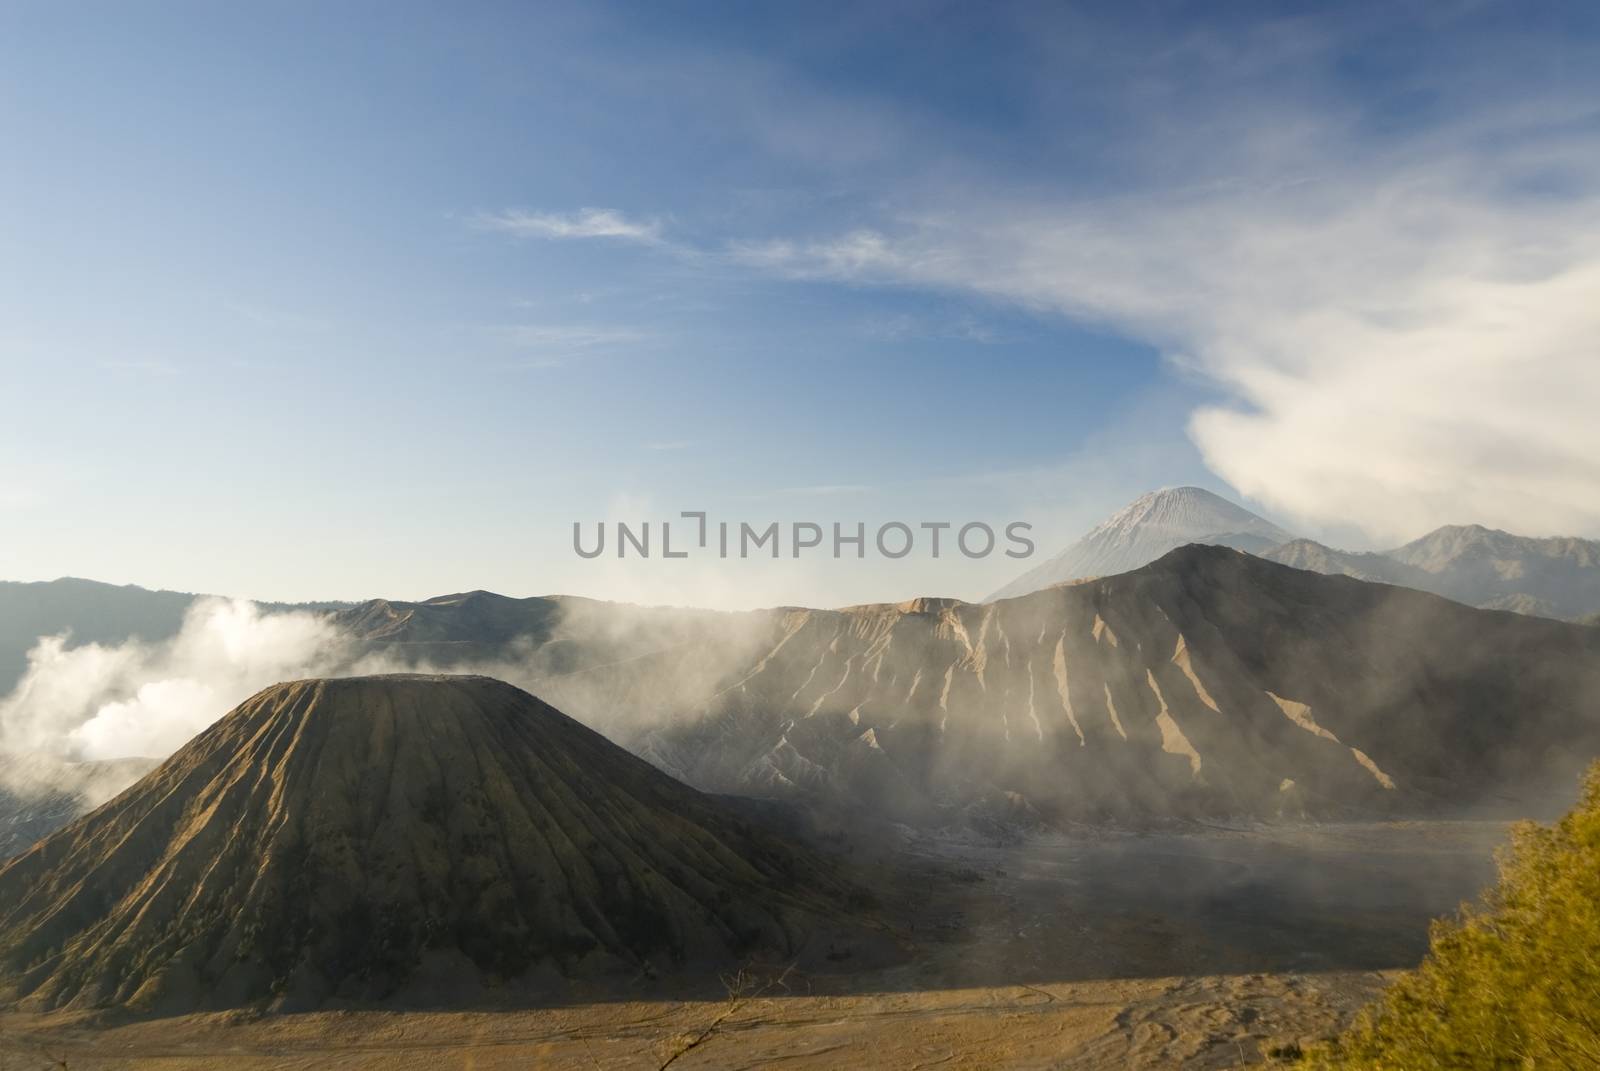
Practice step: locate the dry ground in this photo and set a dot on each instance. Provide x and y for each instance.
(1193, 950)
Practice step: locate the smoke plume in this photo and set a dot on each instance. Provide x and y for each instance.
(97, 701)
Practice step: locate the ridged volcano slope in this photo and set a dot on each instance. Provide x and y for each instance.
(344, 838)
(1209, 682)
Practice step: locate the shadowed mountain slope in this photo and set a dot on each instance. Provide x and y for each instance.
(481, 618)
(1317, 557)
(366, 837)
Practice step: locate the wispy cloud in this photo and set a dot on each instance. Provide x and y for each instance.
(551, 345)
(1405, 333)
(1390, 284)
(584, 223)
(857, 254)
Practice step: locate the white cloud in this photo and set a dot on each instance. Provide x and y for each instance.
(1406, 335)
(95, 701)
(156, 720)
(856, 254)
(584, 223)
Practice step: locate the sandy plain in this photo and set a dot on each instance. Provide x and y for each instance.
(1207, 947)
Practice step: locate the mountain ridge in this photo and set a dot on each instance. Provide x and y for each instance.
(1555, 576)
(1544, 576)
(1097, 700)
(1210, 682)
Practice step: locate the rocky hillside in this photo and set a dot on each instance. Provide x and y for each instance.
(375, 837)
(1210, 682)
(1479, 565)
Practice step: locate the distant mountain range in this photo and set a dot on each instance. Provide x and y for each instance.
(1211, 682)
(1208, 682)
(94, 613)
(1476, 565)
(1479, 566)
(1468, 563)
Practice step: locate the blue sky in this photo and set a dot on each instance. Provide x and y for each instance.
(347, 299)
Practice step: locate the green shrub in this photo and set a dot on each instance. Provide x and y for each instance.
(1513, 982)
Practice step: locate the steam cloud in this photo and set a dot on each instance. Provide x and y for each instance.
(140, 699)
(95, 701)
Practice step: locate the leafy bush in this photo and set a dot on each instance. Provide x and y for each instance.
(1511, 983)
